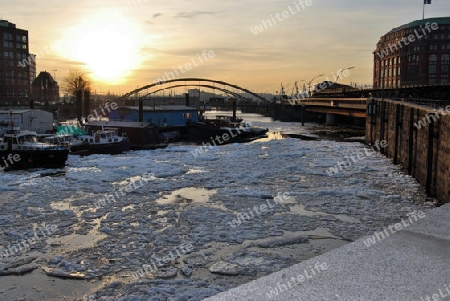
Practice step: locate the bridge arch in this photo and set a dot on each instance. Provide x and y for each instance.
(238, 96)
(192, 79)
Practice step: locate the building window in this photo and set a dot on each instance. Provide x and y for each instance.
(445, 59)
(8, 36)
(22, 93)
(444, 70)
(433, 59)
(10, 92)
(432, 71)
(9, 77)
(8, 58)
(7, 44)
(434, 47)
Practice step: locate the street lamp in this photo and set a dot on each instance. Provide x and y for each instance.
(342, 70)
(309, 83)
(54, 74)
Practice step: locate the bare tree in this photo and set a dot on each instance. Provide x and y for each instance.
(76, 81)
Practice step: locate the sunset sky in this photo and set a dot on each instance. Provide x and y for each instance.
(125, 44)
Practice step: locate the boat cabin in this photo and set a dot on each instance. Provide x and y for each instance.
(16, 139)
(107, 135)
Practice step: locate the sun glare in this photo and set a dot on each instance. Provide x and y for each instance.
(108, 44)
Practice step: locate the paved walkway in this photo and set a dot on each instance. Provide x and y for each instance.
(410, 264)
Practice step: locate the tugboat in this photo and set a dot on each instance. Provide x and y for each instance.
(21, 150)
(230, 129)
(105, 141)
(224, 129)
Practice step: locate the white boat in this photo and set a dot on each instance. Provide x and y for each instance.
(20, 149)
(105, 141)
(65, 140)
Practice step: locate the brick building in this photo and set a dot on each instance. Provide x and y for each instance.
(44, 89)
(414, 54)
(15, 76)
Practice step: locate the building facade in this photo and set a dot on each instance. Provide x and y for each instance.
(39, 121)
(157, 115)
(44, 89)
(414, 54)
(15, 64)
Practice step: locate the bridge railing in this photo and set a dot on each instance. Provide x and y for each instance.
(334, 102)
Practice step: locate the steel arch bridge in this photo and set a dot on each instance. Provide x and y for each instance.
(198, 80)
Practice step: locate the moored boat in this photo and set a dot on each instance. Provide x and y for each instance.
(105, 141)
(65, 140)
(230, 129)
(21, 150)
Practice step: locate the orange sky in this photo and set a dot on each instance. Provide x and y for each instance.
(125, 44)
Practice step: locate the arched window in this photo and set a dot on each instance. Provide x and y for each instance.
(445, 59)
(433, 59)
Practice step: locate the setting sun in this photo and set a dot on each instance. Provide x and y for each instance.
(107, 44)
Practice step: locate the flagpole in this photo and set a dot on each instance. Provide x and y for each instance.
(423, 11)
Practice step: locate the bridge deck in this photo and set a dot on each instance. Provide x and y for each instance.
(355, 107)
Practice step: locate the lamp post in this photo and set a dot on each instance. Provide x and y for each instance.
(342, 70)
(54, 74)
(309, 83)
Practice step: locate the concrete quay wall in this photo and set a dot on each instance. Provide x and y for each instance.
(418, 139)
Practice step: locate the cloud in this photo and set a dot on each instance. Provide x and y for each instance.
(157, 15)
(193, 14)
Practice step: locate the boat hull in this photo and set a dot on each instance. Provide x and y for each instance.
(111, 148)
(55, 158)
(200, 132)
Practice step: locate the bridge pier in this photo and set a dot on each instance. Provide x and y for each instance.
(330, 119)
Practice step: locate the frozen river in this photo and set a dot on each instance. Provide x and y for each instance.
(173, 224)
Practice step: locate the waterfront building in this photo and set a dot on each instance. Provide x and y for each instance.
(15, 65)
(414, 54)
(35, 120)
(45, 89)
(157, 115)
